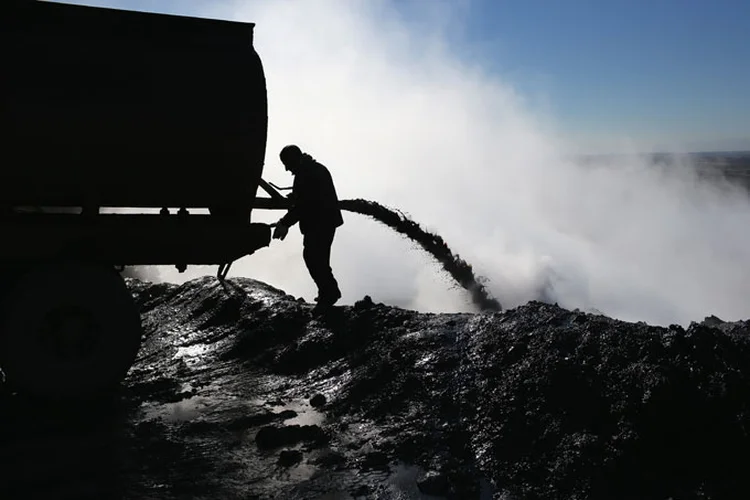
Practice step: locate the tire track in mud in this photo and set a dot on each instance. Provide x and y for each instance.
(459, 269)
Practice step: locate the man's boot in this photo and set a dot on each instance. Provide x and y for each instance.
(327, 300)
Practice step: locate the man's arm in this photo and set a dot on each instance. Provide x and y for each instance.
(293, 214)
(303, 194)
(287, 221)
(291, 217)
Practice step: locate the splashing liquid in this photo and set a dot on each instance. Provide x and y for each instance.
(458, 268)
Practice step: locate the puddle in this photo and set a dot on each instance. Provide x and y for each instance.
(306, 414)
(181, 411)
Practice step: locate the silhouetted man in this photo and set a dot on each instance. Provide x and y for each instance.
(315, 206)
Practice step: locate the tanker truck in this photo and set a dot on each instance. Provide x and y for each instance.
(128, 138)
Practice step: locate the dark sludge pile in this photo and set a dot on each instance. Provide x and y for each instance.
(240, 392)
(458, 268)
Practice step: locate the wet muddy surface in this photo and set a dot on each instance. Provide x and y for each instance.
(240, 392)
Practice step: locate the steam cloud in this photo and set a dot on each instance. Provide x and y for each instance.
(399, 116)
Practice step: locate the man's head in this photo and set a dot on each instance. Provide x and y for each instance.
(291, 156)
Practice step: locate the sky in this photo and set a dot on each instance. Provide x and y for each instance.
(655, 70)
(463, 114)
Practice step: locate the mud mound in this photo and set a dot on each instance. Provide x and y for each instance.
(458, 268)
(578, 406)
(240, 392)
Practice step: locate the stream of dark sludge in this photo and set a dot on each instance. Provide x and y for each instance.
(459, 269)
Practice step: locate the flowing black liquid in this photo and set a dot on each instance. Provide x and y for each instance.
(458, 268)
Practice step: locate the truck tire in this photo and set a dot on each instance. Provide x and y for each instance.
(68, 330)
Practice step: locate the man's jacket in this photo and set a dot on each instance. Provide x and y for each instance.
(315, 204)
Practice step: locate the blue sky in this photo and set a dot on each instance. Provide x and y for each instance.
(668, 69)
(656, 71)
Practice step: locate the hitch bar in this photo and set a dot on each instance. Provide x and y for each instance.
(272, 190)
(223, 270)
(281, 188)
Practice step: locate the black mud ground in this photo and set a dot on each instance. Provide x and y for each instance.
(240, 393)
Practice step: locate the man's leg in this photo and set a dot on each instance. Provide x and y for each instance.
(317, 255)
(311, 255)
(332, 291)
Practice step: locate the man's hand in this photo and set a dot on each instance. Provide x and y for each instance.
(280, 231)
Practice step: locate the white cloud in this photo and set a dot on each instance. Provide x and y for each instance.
(398, 118)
